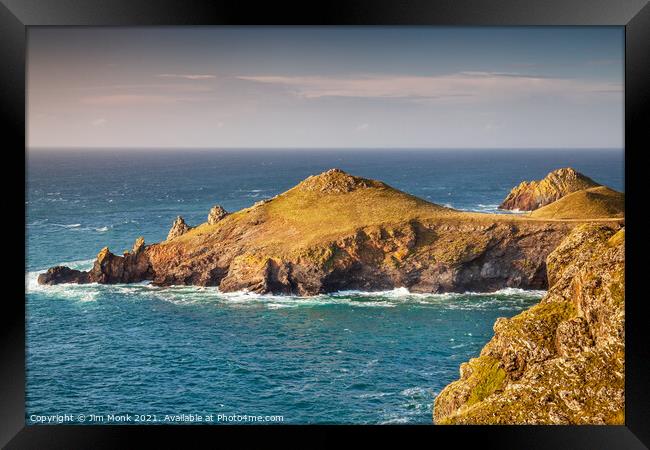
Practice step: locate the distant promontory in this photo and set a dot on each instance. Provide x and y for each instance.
(335, 231)
(530, 195)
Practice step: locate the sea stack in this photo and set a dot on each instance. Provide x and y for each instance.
(179, 227)
(530, 195)
(217, 212)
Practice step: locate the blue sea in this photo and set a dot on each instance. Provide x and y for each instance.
(125, 353)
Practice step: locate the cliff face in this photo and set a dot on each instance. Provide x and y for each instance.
(562, 361)
(530, 195)
(334, 231)
(424, 256)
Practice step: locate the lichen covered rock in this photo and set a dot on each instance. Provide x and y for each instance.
(561, 361)
(530, 195)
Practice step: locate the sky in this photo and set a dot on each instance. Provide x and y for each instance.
(325, 87)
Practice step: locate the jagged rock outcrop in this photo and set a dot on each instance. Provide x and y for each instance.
(563, 360)
(108, 268)
(530, 195)
(335, 231)
(336, 181)
(179, 227)
(217, 212)
(133, 267)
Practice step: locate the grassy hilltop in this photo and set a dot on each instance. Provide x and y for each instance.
(335, 203)
(592, 203)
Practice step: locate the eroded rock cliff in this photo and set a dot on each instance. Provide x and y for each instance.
(562, 361)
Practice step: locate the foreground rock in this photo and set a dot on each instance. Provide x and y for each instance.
(334, 231)
(563, 360)
(530, 195)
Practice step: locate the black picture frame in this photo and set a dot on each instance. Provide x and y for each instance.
(634, 15)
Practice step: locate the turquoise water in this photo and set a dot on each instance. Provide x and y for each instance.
(348, 357)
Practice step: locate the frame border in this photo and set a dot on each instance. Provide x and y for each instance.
(634, 15)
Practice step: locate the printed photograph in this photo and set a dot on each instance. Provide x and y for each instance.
(325, 225)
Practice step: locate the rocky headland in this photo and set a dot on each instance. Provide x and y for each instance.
(563, 360)
(530, 195)
(335, 231)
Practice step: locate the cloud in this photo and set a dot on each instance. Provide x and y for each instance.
(584, 63)
(187, 76)
(99, 122)
(476, 85)
(362, 127)
(132, 99)
(502, 74)
(157, 87)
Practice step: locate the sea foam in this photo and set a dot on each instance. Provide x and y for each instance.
(191, 295)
